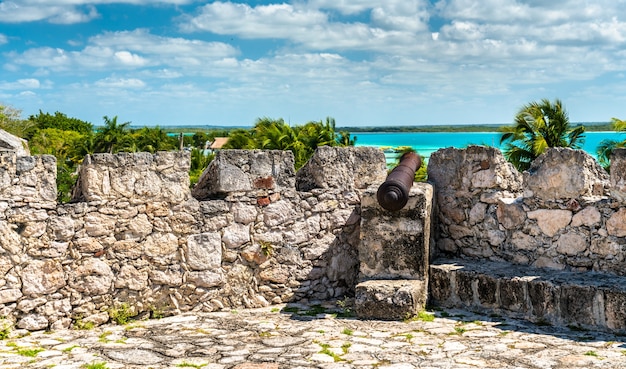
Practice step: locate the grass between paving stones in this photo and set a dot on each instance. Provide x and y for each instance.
(314, 310)
(95, 365)
(69, 348)
(457, 331)
(592, 353)
(423, 316)
(103, 336)
(185, 364)
(326, 351)
(29, 351)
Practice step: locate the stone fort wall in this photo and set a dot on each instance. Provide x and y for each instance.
(253, 232)
(135, 235)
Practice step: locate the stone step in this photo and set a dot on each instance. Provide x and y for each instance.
(390, 299)
(587, 300)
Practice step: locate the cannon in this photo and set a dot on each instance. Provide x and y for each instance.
(393, 194)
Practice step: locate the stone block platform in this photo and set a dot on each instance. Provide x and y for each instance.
(390, 299)
(587, 300)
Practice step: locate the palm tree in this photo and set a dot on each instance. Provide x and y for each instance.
(274, 134)
(112, 136)
(606, 147)
(153, 139)
(345, 139)
(538, 126)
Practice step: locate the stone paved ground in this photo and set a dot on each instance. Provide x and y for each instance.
(310, 336)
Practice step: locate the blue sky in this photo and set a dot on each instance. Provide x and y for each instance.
(368, 63)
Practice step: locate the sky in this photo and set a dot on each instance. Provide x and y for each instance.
(364, 63)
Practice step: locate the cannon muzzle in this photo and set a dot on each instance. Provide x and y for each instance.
(393, 194)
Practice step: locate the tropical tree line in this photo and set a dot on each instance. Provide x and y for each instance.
(537, 126)
(71, 139)
(302, 140)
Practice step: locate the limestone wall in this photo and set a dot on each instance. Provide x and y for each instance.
(135, 235)
(253, 232)
(564, 213)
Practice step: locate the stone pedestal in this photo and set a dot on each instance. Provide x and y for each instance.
(390, 299)
(393, 256)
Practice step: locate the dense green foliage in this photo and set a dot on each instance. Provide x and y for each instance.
(538, 126)
(606, 147)
(275, 134)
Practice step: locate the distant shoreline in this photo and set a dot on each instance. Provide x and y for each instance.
(589, 127)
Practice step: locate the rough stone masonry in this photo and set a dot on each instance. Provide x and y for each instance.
(547, 244)
(135, 235)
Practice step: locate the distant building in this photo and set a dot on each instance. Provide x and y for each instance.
(218, 143)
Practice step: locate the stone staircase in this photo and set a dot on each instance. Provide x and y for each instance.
(587, 300)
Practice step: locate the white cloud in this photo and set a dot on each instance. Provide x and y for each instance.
(21, 84)
(30, 11)
(64, 11)
(126, 50)
(263, 21)
(130, 59)
(406, 52)
(124, 83)
(3, 39)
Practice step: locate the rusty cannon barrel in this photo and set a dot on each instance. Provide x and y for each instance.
(393, 194)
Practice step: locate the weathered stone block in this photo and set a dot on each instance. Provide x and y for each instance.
(204, 251)
(615, 309)
(256, 171)
(563, 173)
(389, 299)
(618, 174)
(343, 168)
(396, 244)
(140, 177)
(513, 294)
(476, 167)
(543, 297)
(551, 221)
(577, 304)
(464, 286)
(440, 287)
(616, 224)
(487, 290)
(42, 277)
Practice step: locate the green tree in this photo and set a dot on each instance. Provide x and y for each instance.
(241, 139)
(152, 140)
(60, 121)
(538, 126)
(112, 137)
(199, 161)
(606, 147)
(275, 134)
(272, 134)
(10, 121)
(344, 139)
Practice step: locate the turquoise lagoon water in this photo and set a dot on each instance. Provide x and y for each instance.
(425, 143)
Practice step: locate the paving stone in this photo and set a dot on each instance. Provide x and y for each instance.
(296, 343)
